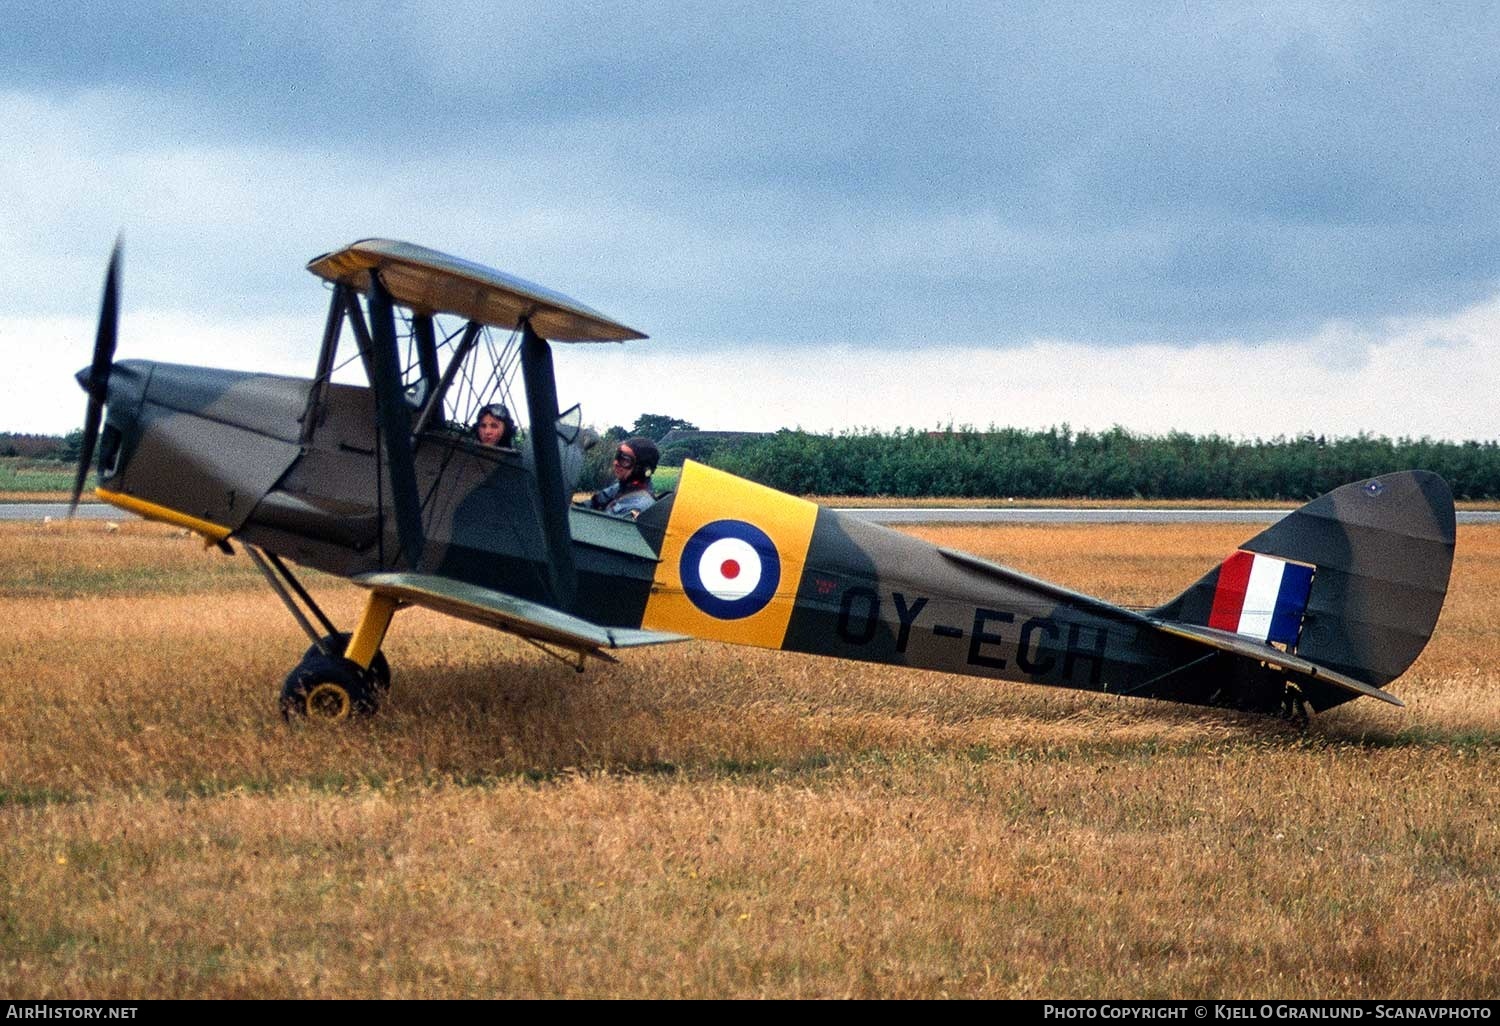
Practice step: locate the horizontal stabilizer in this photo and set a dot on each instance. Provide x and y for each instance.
(517, 616)
(1289, 664)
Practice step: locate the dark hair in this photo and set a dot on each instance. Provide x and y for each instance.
(647, 455)
(500, 413)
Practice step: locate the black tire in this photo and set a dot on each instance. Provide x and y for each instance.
(339, 642)
(320, 688)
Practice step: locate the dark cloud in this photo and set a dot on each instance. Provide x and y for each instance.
(827, 171)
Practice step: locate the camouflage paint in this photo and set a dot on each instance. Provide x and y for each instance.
(299, 473)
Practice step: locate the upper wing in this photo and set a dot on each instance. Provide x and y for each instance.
(425, 279)
(517, 616)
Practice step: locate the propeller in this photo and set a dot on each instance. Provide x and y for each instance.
(97, 384)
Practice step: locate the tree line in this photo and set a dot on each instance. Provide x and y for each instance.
(1015, 462)
(1059, 462)
(62, 448)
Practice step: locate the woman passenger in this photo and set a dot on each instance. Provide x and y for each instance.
(494, 426)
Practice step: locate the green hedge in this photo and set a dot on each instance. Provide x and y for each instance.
(1059, 462)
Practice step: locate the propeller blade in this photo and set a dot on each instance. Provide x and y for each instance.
(86, 453)
(97, 385)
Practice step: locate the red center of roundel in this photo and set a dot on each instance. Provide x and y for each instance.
(730, 569)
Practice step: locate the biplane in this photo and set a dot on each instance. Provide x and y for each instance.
(381, 480)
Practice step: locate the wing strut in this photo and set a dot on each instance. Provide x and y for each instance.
(434, 405)
(264, 562)
(427, 357)
(332, 328)
(541, 405)
(395, 422)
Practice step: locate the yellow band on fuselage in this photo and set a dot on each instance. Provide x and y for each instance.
(691, 594)
(151, 511)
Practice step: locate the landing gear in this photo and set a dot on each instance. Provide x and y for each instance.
(329, 688)
(1260, 689)
(339, 642)
(1294, 706)
(340, 675)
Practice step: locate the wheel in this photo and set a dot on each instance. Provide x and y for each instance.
(339, 642)
(320, 688)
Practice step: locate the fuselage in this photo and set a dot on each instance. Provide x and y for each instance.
(260, 458)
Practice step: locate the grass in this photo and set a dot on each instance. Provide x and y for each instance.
(665, 479)
(32, 480)
(90, 559)
(705, 820)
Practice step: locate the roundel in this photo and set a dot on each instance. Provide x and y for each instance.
(730, 569)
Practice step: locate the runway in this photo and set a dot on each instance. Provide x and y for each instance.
(1101, 515)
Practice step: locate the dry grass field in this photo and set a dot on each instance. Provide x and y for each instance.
(712, 821)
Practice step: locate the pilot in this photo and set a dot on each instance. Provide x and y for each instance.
(634, 463)
(494, 426)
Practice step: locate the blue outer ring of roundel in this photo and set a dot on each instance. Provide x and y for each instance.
(692, 581)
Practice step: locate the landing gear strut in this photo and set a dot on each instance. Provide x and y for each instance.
(341, 675)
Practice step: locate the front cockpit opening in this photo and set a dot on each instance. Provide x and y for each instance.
(451, 369)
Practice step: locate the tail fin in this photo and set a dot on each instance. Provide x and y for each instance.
(1353, 581)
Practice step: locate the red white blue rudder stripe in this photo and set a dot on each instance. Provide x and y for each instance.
(1261, 597)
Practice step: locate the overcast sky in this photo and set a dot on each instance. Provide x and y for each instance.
(1253, 219)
